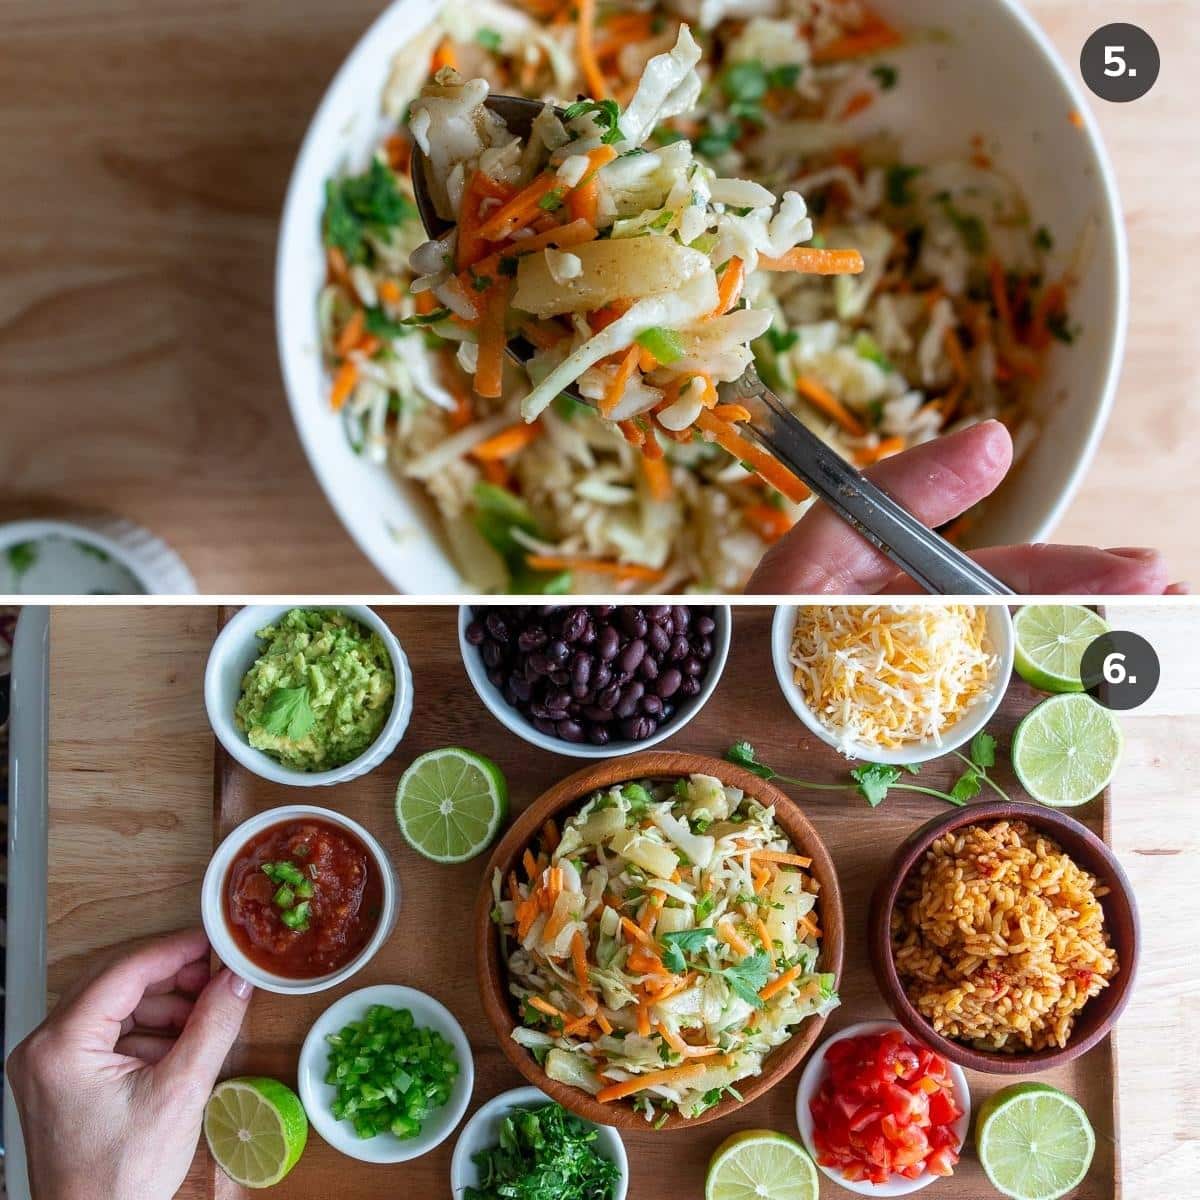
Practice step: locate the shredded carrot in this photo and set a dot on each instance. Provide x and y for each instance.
(578, 1026)
(604, 1023)
(585, 50)
(651, 910)
(820, 397)
(809, 926)
(550, 836)
(519, 210)
(443, 56)
(730, 286)
(958, 358)
(1000, 293)
(526, 913)
(810, 260)
(780, 982)
(369, 345)
(761, 876)
(658, 476)
(352, 333)
(425, 302)
(530, 864)
(604, 316)
(616, 387)
(733, 413)
(764, 937)
(646, 361)
(618, 1091)
(643, 1019)
(769, 522)
(672, 1039)
(508, 441)
(390, 292)
(489, 365)
(1076, 118)
(579, 961)
(597, 566)
(344, 382)
(857, 103)
(636, 932)
(470, 246)
(464, 411)
(772, 472)
(399, 152)
(779, 856)
(884, 448)
(732, 938)
(335, 263)
(540, 335)
(645, 961)
(876, 35)
(544, 1006)
(514, 892)
(555, 926)
(583, 201)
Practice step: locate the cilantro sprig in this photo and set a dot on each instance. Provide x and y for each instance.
(358, 203)
(746, 977)
(288, 713)
(606, 114)
(873, 781)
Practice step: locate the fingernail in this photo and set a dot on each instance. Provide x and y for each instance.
(1137, 553)
(241, 987)
(1182, 588)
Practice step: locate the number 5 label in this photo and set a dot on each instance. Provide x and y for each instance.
(1119, 62)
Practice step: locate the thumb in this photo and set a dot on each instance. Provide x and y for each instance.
(210, 1031)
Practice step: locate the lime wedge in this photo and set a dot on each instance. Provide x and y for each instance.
(1034, 1142)
(758, 1164)
(1051, 639)
(1066, 750)
(256, 1130)
(451, 803)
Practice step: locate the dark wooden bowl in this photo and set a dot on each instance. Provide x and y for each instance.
(560, 801)
(1096, 1018)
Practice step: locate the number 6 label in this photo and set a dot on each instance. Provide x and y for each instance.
(1120, 669)
(1119, 63)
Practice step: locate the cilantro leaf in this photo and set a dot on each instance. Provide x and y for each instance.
(489, 39)
(781, 340)
(898, 178)
(606, 115)
(21, 557)
(1043, 239)
(684, 941)
(742, 753)
(970, 227)
(357, 202)
(748, 977)
(966, 787)
(705, 905)
(887, 75)
(874, 780)
(288, 713)
(983, 749)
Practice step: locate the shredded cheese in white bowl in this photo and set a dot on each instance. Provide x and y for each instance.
(893, 683)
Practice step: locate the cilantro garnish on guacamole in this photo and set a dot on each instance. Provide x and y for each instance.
(320, 691)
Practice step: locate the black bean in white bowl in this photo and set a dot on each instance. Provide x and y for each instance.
(594, 680)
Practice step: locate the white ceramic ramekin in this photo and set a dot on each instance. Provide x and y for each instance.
(318, 1095)
(232, 655)
(517, 723)
(482, 1132)
(810, 1082)
(212, 901)
(1000, 630)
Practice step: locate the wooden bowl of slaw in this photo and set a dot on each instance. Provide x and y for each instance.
(561, 801)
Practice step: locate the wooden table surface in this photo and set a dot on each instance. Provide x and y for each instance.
(131, 810)
(147, 145)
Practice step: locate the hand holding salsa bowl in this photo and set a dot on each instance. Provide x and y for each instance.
(298, 899)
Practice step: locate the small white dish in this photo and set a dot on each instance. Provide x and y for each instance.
(810, 1082)
(1000, 631)
(517, 723)
(232, 655)
(212, 901)
(318, 1096)
(482, 1132)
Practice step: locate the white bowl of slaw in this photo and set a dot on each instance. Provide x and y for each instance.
(975, 719)
(964, 77)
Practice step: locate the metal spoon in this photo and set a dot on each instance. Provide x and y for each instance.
(918, 551)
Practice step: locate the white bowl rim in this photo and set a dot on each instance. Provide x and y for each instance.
(514, 722)
(428, 1011)
(212, 901)
(261, 763)
(1115, 340)
(810, 1080)
(462, 1172)
(962, 731)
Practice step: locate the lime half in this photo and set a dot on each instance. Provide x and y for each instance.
(1051, 639)
(451, 803)
(256, 1130)
(760, 1164)
(1066, 750)
(1034, 1142)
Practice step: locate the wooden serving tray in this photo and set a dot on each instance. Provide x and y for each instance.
(431, 947)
